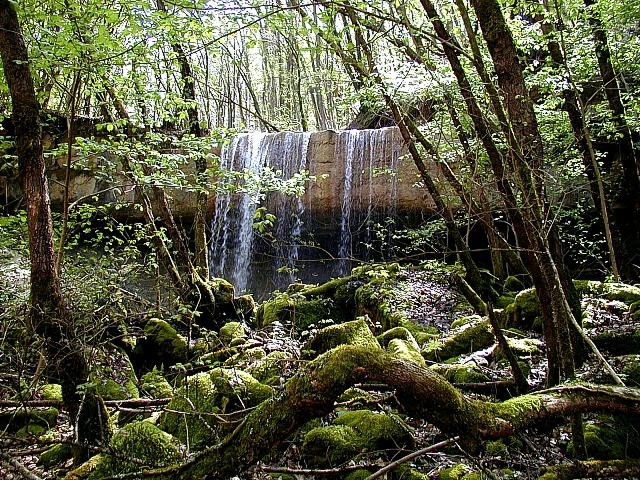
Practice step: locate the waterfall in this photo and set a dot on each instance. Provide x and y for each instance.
(233, 235)
(355, 205)
(368, 155)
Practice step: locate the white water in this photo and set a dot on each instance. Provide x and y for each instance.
(368, 196)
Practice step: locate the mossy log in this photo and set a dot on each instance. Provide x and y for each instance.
(422, 392)
(593, 469)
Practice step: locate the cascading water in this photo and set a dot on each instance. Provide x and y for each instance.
(233, 235)
(363, 171)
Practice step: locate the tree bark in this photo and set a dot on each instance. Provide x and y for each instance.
(422, 393)
(48, 314)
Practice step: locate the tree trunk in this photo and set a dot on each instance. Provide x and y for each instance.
(48, 314)
(422, 393)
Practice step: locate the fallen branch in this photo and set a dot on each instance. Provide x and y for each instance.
(393, 465)
(17, 467)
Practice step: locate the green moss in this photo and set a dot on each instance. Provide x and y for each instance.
(136, 446)
(223, 291)
(56, 454)
(629, 294)
(51, 391)
(269, 368)
(513, 284)
(360, 474)
(457, 472)
(524, 310)
(162, 345)
(84, 470)
(461, 373)
(155, 385)
(403, 472)
(603, 442)
(356, 395)
(113, 374)
(470, 338)
(331, 445)
(217, 391)
(379, 430)
(13, 419)
(245, 358)
(279, 309)
(406, 350)
(231, 331)
(245, 307)
(503, 301)
(631, 370)
(496, 448)
(356, 332)
(465, 320)
(513, 409)
(398, 332)
(31, 430)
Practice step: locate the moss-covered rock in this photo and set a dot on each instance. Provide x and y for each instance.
(231, 331)
(281, 309)
(404, 472)
(160, 346)
(51, 391)
(360, 474)
(353, 433)
(471, 337)
(112, 374)
(223, 291)
(603, 442)
(31, 430)
(465, 320)
(269, 369)
(56, 454)
(524, 310)
(155, 385)
(407, 350)
(136, 446)
(218, 391)
(356, 396)
(245, 358)
(513, 284)
(381, 430)
(401, 333)
(457, 472)
(331, 445)
(466, 373)
(356, 332)
(245, 307)
(622, 292)
(83, 471)
(300, 311)
(13, 419)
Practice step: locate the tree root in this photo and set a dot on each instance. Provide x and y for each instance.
(422, 392)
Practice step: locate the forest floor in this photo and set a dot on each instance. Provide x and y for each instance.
(432, 316)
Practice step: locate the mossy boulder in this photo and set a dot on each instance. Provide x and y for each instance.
(622, 292)
(245, 307)
(281, 309)
(223, 291)
(466, 373)
(33, 430)
(352, 433)
(401, 333)
(112, 374)
(383, 430)
(160, 346)
(469, 338)
(513, 284)
(524, 310)
(269, 369)
(231, 331)
(456, 472)
(360, 474)
(355, 395)
(155, 385)
(218, 391)
(13, 419)
(54, 455)
(356, 332)
(331, 445)
(406, 350)
(51, 391)
(245, 358)
(137, 446)
(298, 310)
(603, 442)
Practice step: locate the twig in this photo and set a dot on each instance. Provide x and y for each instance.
(311, 471)
(411, 456)
(17, 467)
